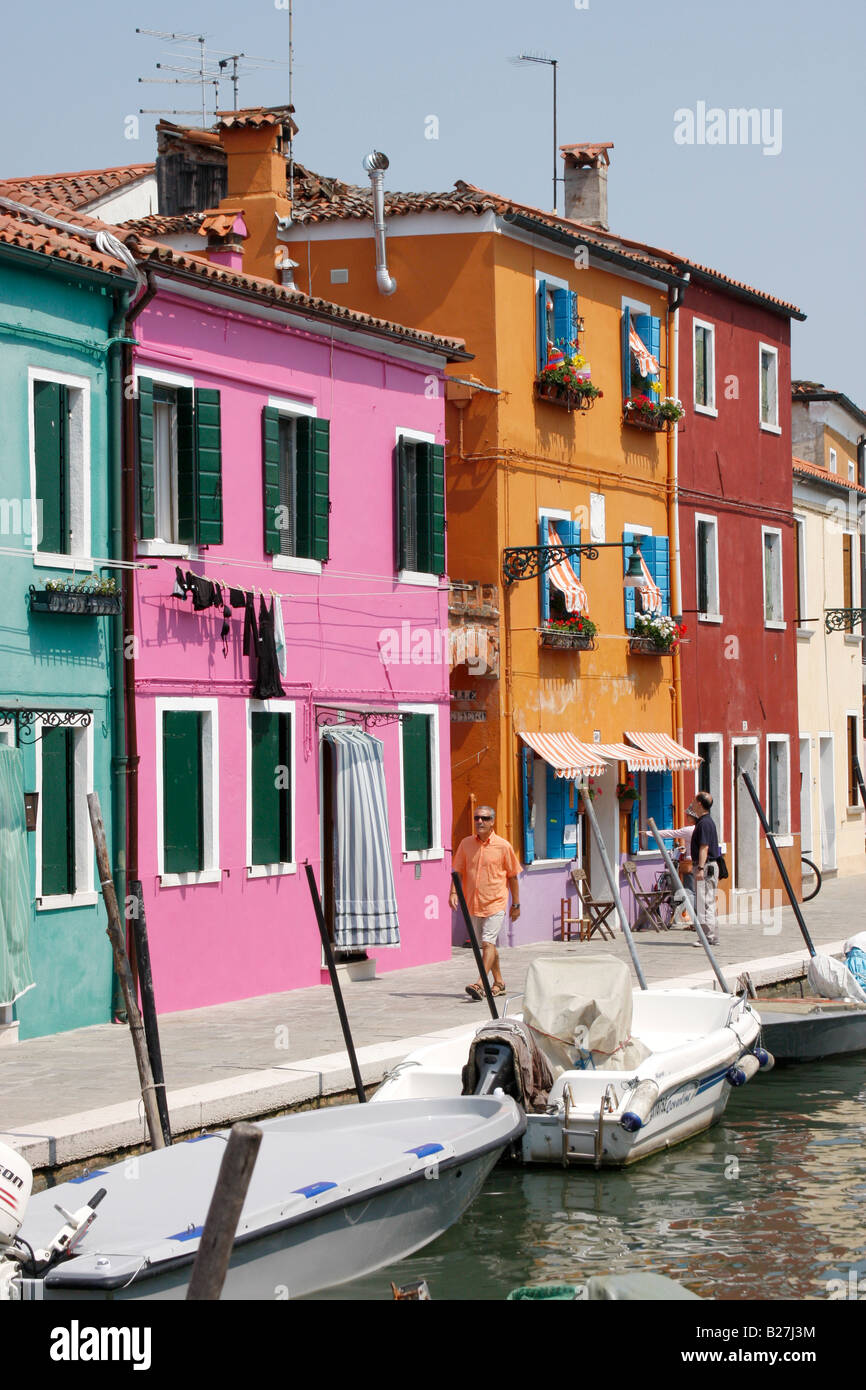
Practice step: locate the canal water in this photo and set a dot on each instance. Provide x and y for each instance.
(770, 1204)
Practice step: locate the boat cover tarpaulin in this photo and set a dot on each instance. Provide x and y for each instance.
(580, 1013)
(16, 975)
(365, 903)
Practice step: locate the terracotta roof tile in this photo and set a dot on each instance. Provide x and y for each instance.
(155, 225)
(17, 230)
(72, 191)
(817, 391)
(256, 116)
(814, 470)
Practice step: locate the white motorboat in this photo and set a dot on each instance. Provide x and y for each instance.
(629, 1073)
(335, 1194)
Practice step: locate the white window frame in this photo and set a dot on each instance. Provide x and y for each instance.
(718, 810)
(211, 872)
(769, 426)
(774, 624)
(786, 837)
(857, 715)
(855, 573)
(80, 463)
(832, 465)
(712, 615)
(436, 850)
(156, 545)
(289, 866)
(800, 547)
(744, 741)
(294, 564)
(852, 471)
(550, 514)
(709, 409)
(420, 578)
(7, 736)
(85, 894)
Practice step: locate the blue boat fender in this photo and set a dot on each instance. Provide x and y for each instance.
(640, 1106)
(744, 1070)
(766, 1059)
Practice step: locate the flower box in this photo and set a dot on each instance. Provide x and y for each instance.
(70, 602)
(558, 394)
(645, 646)
(562, 637)
(646, 420)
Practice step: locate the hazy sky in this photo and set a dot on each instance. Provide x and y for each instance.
(371, 74)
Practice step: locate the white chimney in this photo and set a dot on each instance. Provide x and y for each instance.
(586, 183)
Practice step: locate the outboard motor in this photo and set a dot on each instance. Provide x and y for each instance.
(16, 1184)
(495, 1066)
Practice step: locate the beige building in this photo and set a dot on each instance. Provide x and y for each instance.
(829, 434)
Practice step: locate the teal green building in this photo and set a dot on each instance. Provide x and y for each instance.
(63, 302)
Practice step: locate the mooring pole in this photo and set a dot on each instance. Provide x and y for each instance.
(124, 974)
(612, 884)
(335, 984)
(783, 873)
(220, 1227)
(473, 941)
(148, 1006)
(859, 777)
(675, 878)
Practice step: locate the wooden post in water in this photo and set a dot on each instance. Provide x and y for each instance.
(220, 1227)
(858, 777)
(335, 985)
(473, 942)
(124, 974)
(783, 873)
(148, 1006)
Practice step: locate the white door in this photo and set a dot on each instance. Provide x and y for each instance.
(747, 876)
(827, 785)
(806, 795)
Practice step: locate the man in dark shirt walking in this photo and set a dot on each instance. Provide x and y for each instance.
(705, 860)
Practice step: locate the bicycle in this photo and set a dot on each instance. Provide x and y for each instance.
(807, 897)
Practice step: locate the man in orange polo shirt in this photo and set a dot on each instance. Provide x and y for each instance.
(488, 868)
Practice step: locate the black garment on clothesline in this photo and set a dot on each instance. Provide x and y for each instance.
(268, 675)
(237, 598)
(251, 632)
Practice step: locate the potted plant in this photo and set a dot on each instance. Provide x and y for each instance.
(650, 413)
(627, 793)
(576, 631)
(91, 596)
(654, 633)
(568, 382)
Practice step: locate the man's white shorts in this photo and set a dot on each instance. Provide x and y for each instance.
(487, 929)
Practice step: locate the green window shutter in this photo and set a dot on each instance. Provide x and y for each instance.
(57, 798)
(208, 453)
(182, 815)
(403, 539)
(417, 780)
(50, 427)
(320, 439)
(146, 461)
(187, 528)
(271, 477)
(269, 788)
(435, 472)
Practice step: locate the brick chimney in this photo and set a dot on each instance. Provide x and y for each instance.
(255, 141)
(586, 183)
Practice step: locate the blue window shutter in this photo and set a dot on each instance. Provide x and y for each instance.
(660, 798)
(526, 788)
(544, 578)
(563, 320)
(626, 354)
(656, 551)
(569, 534)
(557, 806)
(648, 330)
(628, 594)
(634, 828)
(541, 325)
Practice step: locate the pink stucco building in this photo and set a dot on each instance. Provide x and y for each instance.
(288, 449)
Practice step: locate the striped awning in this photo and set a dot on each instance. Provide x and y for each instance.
(563, 577)
(567, 755)
(649, 590)
(669, 755)
(647, 364)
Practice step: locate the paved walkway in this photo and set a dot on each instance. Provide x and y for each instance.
(75, 1094)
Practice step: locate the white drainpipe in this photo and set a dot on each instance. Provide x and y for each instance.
(375, 165)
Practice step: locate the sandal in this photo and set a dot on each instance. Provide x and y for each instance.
(497, 990)
(475, 992)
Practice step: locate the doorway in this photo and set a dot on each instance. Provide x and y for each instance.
(806, 795)
(328, 831)
(827, 790)
(747, 873)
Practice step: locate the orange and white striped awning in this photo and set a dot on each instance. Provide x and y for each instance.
(670, 756)
(647, 364)
(563, 577)
(649, 590)
(567, 755)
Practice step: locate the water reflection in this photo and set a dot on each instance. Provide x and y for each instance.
(768, 1205)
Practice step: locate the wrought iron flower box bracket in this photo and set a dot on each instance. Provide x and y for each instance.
(333, 716)
(562, 637)
(26, 721)
(645, 646)
(70, 602)
(844, 619)
(529, 561)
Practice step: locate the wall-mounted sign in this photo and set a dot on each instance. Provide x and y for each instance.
(468, 716)
(464, 694)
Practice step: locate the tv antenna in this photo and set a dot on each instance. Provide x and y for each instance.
(204, 69)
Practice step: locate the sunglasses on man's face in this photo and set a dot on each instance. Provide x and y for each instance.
(484, 818)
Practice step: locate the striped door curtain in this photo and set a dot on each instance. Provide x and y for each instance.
(365, 900)
(16, 974)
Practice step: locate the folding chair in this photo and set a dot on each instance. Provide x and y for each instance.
(593, 910)
(649, 901)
